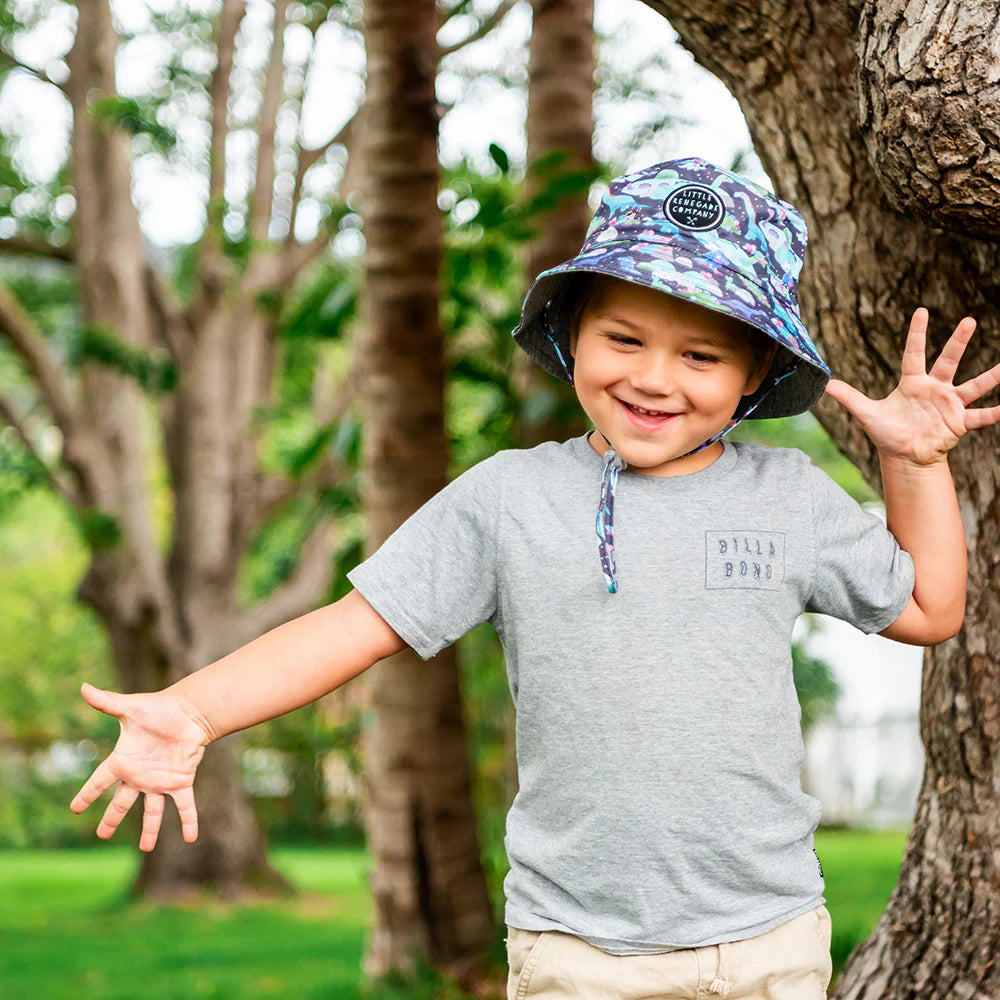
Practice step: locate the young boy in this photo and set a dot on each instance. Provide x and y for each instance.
(660, 842)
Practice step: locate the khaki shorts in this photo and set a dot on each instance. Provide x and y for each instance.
(789, 962)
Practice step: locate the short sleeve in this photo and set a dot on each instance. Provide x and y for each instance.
(861, 575)
(434, 578)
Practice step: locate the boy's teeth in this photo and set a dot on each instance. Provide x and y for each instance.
(652, 413)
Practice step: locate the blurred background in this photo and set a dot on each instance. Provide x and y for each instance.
(148, 195)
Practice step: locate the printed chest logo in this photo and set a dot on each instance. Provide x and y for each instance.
(694, 206)
(744, 560)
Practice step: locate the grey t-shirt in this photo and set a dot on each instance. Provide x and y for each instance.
(659, 745)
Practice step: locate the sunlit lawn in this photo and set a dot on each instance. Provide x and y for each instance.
(66, 932)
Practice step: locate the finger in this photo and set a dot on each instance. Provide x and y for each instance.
(915, 350)
(152, 816)
(184, 800)
(850, 398)
(984, 417)
(117, 810)
(947, 363)
(95, 786)
(109, 702)
(976, 388)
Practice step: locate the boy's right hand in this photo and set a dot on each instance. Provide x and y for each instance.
(162, 741)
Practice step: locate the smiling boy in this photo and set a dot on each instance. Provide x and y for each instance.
(660, 843)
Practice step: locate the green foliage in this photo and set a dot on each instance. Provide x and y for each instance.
(815, 685)
(135, 117)
(155, 372)
(304, 739)
(20, 471)
(499, 156)
(49, 294)
(50, 644)
(324, 304)
(98, 529)
(489, 221)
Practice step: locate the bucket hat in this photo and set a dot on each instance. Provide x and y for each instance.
(689, 229)
(693, 230)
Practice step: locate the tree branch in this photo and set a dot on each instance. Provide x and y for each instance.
(171, 320)
(40, 75)
(36, 248)
(23, 335)
(263, 195)
(485, 27)
(60, 484)
(225, 47)
(300, 255)
(302, 592)
(309, 158)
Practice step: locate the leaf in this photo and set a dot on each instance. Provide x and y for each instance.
(135, 118)
(500, 158)
(99, 529)
(156, 374)
(312, 450)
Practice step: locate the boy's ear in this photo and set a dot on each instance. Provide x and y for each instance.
(764, 366)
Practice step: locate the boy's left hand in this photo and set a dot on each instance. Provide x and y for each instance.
(924, 417)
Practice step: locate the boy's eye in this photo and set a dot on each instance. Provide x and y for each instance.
(621, 338)
(700, 358)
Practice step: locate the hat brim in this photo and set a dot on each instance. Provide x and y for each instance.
(669, 269)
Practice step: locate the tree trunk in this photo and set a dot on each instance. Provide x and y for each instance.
(560, 119)
(428, 882)
(792, 67)
(169, 614)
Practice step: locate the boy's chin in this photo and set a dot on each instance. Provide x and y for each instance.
(667, 463)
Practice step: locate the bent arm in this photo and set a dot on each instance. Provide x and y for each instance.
(922, 512)
(290, 666)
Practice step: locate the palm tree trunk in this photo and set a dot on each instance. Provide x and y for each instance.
(428, 882)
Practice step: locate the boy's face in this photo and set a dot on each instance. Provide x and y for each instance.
(637, 348)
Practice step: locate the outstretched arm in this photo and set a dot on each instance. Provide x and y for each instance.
(914, 428)
(164, 734)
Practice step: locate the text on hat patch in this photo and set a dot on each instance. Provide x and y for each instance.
(694, 206)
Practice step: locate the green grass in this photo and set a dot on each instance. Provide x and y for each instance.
(860, 868)
(69, 934)
(67, 931)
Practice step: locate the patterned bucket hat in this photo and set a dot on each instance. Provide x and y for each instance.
(693, 230)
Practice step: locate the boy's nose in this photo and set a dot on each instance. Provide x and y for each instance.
(656, 376)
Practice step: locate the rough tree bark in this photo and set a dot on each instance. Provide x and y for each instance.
(170, 612)
(428, 882)
(793, 67)
(560, 120)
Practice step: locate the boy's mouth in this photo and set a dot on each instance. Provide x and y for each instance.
(649, 413)
(646, 417)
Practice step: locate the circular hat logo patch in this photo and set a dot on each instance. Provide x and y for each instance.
(694, 206)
